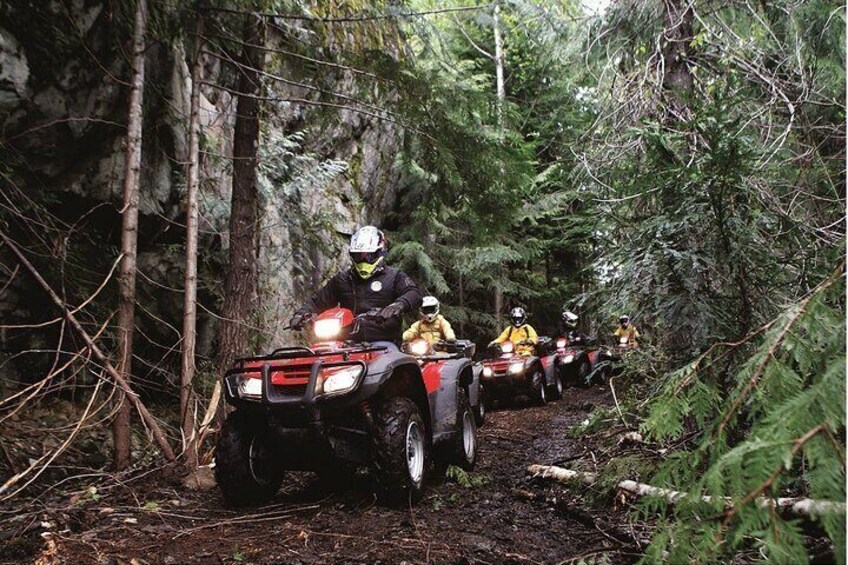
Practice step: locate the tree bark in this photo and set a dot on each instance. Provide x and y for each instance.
(190, 297)
(121, 430)
(240, 291)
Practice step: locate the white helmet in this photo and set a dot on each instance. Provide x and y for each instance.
(367, 251)
(429, 308)
(570, 319)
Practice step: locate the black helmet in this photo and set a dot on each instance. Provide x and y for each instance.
(624, 320)
(570, 319)
(517, 316)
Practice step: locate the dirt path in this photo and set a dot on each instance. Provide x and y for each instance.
(501, 517)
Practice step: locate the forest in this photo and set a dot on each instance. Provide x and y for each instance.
(179, 177)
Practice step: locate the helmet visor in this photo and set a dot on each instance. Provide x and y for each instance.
(429, 309)
(518, 320)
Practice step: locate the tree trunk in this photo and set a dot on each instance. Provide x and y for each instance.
(677, 76)
(240, 291)
(190, 297)
(129, 238)
(501, 91)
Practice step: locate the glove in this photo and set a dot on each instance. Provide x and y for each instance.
(393, 310)
(299, 320)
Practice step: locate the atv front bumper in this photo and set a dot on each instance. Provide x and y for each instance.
(508, 384)
(311, 428)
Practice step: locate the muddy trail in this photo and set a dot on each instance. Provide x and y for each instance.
(494, 515)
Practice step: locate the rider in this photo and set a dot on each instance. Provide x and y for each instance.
(519, 332)
(432, 326)
(570, 322)
(368, 286)
(627, 330)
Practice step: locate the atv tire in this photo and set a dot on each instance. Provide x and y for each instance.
(482, 408)
(248, 466)
(541, 395)
(582, 373)
(464, 446)
(556, 391)
(400, 451)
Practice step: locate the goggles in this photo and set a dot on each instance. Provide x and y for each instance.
(366, 256)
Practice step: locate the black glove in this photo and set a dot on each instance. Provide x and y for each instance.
(393, 310)
(300, 319)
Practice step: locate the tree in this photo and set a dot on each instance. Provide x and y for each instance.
(121, 429)
(240, 289)
(190, 299)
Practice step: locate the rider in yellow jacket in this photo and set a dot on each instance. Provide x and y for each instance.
(432, 326)
(519, 332)
(627, 330)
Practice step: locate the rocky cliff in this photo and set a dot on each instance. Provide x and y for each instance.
(63, 98)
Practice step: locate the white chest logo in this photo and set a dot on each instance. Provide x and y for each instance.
(376, 286)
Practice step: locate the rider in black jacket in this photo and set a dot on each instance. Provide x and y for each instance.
(569, 326)
(369, 285)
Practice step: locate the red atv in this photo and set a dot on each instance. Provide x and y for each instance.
(339, 404)
(509, 374)
(577, 363)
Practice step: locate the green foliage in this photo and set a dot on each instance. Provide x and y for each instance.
(772, 435)
(464, 478)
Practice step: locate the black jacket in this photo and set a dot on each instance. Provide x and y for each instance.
(576, 337)
(349, 291)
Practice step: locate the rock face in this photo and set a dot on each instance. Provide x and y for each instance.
(323, 172)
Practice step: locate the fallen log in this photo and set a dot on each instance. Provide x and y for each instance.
(793, 505)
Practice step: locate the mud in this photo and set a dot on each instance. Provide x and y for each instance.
(494, 515)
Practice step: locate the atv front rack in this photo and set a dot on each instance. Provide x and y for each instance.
(303, 351)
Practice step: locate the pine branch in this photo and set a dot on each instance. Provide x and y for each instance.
(752, 382)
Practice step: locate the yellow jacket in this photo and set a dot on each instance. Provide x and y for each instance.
(431, 331)
(630, 332)
(517, 335)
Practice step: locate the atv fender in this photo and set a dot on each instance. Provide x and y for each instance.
(443, 400)
(549, 367)
(396, 374)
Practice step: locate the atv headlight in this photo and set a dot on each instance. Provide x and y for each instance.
(327, 329)
(507, 347)
(568, 359)
(487, 372)
(561, 343)
(250, 388)
(623, 340)
(341, 380)
(516, 368)
(419, 347)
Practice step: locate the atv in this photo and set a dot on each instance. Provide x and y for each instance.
(453, 356)
(338, 405)
(577, 363)
(508, 374)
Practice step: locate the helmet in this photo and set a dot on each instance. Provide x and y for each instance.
(429, 308)
(624, 320)
(517, 316)
(570, 319)
(367, 251)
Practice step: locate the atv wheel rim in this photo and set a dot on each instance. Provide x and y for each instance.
(542, 394)
(469, 438)
(414, 452)
(256, 459)
(482, 408)
(559, 384)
